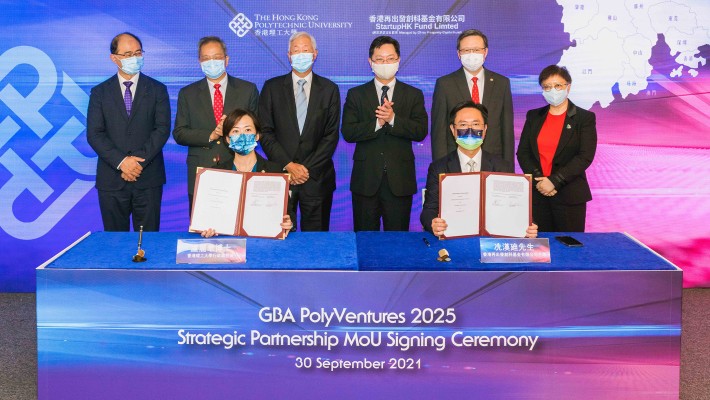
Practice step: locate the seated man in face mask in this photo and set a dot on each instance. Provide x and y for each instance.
(467, 123)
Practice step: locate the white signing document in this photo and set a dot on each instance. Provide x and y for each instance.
(507, 204)
(216, 201)
(265, 205)
(460, 203)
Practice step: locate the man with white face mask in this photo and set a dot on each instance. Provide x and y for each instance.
(482, 86)
(300, 116)
(203, 105)
(383, 117)
(127, 124)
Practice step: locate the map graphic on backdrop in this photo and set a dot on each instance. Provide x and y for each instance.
(639, 65)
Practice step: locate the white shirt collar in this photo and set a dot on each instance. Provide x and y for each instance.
(464, 159)
(133, 79)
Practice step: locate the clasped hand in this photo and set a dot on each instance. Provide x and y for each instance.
(298, 173)
(545, 187)
(385, 113)
(131, 168)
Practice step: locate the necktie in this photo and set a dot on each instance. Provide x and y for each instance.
(218, 104)
(471, 164)
(384, 95)
(474, 92)
(128, 97)
(301, 104)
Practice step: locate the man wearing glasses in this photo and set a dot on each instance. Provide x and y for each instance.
(468, 129)
(127, 125)
(203, 105)
(482, 86)
(383, 117)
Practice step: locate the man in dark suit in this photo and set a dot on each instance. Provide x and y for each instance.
(383, 116)
(480, 85)
(468, 126)
(300, 116)
(127, 125)
(202, 106)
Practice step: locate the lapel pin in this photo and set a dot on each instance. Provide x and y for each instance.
(569, 126)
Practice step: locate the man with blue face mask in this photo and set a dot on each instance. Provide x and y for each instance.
(202, 107)
(477, 83)
(127, 125)
(300, 115)
(468, 125)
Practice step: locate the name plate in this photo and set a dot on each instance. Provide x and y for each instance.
(509, 251)
(211, 251)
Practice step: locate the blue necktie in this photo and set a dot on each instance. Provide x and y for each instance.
(301, 105)
(128, 97)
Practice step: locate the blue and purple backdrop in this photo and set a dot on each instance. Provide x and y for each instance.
(639, 65)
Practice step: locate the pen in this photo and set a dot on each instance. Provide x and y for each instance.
(426, 242)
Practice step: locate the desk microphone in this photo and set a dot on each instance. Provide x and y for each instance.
(140, 254)
(443, 256)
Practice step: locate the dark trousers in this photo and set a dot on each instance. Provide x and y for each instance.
(314, 210)
(393, 210)
(552, 216)
(118, 207)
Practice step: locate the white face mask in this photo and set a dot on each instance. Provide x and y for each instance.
(472, 61)
(555, 97)
(385, 71)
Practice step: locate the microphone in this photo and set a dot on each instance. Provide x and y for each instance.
(140, 255)
(443, 256)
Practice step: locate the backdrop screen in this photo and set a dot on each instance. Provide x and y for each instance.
(640, 65)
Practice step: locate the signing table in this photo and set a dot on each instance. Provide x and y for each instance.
(358, 316)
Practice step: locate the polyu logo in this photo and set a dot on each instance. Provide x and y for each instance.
(240, 25)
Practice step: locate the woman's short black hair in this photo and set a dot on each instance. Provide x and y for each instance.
(233, 118)
(552, 70)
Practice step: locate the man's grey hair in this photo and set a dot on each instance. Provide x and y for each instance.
(300, 34)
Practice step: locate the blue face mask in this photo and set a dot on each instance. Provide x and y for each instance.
(243, 143)
(555, 97)
(132, 65)
(301, 62)
(469, 139)
(213, 69)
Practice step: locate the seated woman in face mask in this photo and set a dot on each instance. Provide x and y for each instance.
(242, 128)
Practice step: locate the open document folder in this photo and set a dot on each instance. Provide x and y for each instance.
(485, 203)
(239, 203)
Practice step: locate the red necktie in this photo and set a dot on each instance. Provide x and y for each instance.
(474, 91)
(218, 103)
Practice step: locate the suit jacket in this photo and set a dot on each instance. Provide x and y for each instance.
(573, 156)
(314, 148)
(114, 135)
(390, 146)
(450, 164)
(194, 121)
(262, 164)
(451, 90)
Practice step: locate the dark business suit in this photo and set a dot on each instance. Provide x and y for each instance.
(313, 148)
(565, 211)
(114, 135)
(195, 121)
(383, 179)
(451, 90)
(451, 164)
